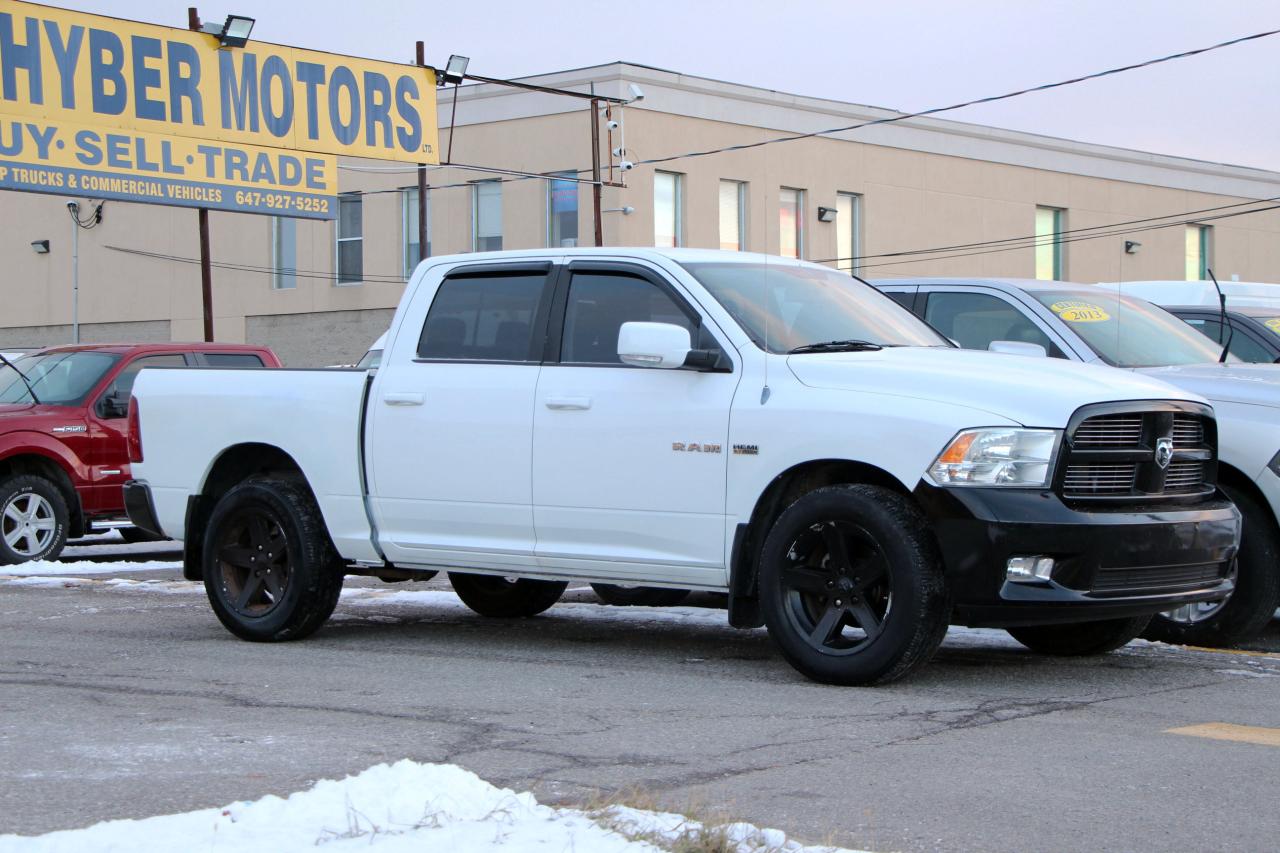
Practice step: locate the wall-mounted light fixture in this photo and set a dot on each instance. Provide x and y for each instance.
(826, 214)
(232, 33)
(625, 211)
(1131, 247)
(40, 247)
(456, 69)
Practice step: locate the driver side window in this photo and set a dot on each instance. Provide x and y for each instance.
(974, 320)
(122, 386)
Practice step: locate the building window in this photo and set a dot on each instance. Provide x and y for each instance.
(791, 223)
(409, 224)
(562, 212)
(284, 253)
(1048, 245)
(733, 215)
(1198, 243)
(848, 232)
(486, 216)
(350, 238)
(667, 202)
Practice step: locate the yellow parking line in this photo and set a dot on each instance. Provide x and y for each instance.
(1245, 652)
(1230, 731)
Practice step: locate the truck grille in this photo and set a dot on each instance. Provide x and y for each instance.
(1162, 578)
(1112, 455)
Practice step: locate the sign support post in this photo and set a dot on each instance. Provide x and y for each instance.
(206, 268)
(595, 170)
(422, 180)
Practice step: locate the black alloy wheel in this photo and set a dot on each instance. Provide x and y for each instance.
(837, 587)
(253, 561)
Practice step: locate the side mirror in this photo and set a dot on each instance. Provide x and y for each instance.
(1018, 348)
(663, 345)
(113, 405)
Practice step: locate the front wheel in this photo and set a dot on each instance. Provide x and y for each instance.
(851, 586)
(270, 571)
(506, 598)
(1080, 639)
(1242, 615)
(33, 520)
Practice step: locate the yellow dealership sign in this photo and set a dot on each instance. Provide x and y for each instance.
(91, 105)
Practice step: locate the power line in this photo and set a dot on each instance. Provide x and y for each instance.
(1033, 237)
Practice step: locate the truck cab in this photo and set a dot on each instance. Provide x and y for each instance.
(63, 435)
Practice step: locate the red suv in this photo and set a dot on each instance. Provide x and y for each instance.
(63, 436)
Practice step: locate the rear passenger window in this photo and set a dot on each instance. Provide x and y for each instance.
(483, 318)
(230, 359)
(906, 299)
(599, 303)
(974, 320)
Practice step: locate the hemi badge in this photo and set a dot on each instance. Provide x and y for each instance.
(72, 428)
(746, 450)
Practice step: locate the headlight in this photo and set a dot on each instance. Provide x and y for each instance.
(998, 456)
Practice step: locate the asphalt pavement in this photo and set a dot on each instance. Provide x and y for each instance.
(128, 699)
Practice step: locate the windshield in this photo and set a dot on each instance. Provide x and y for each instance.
(58, 378)
(1127, 332)
(783, 306)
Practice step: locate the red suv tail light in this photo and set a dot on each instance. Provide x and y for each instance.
(135, 432)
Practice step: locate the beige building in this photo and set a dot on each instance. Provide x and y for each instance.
(319, 292)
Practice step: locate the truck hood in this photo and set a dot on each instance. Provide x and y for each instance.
(1252, 384)
(29, 416)
(1042, 392)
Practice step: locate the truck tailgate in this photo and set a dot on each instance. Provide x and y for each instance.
(190, 417)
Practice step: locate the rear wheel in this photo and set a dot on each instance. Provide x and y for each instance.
(639, 596)
(33, 519)
(851, 586)
(270, 571)
(1242, 615)
(1080, 639)
(506, 598)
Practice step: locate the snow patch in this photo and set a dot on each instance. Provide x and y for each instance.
(400, 807)
(84, 567)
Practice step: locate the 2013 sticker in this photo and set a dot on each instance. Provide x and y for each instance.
(1074, 311)
(1274, 325)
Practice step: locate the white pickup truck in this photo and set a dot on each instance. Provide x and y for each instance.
(696, 420)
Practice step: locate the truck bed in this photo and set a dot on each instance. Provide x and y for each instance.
(191, 417)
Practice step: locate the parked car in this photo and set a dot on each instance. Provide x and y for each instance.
(1093, 324)
(373, 357)
(688, 419)
(63, 434)
(1252, 334)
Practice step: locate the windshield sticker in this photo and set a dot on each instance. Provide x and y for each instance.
(1079, 312)
(1274, 325)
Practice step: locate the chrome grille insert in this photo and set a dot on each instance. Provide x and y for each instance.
(1110, 431)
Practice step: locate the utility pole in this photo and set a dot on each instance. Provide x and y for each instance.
(206, 269)
(74, 208)
(422, 179)
(595, 170)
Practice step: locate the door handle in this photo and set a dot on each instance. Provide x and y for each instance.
(403, 398)
(565, 404)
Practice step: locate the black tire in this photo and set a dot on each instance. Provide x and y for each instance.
(1080, 639)
(639, 596)
(134, 535)
(830, 568)
(278, 519)
(33, 519)
(1251, 606)
(506, 598)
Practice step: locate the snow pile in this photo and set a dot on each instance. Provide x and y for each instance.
(400, 807)
(54, 568)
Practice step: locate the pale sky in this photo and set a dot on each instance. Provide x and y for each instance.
(907, 55)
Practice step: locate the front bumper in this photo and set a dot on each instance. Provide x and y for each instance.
(141, 510)
(1109, 563)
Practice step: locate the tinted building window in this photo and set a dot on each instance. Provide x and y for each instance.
(666, 209)
(350, 238)
(562, 214)
(1048, 247)
(733, 216)
(486, 216)
(791, 223)
(599, 303)
(409, 220)
(483, 318)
